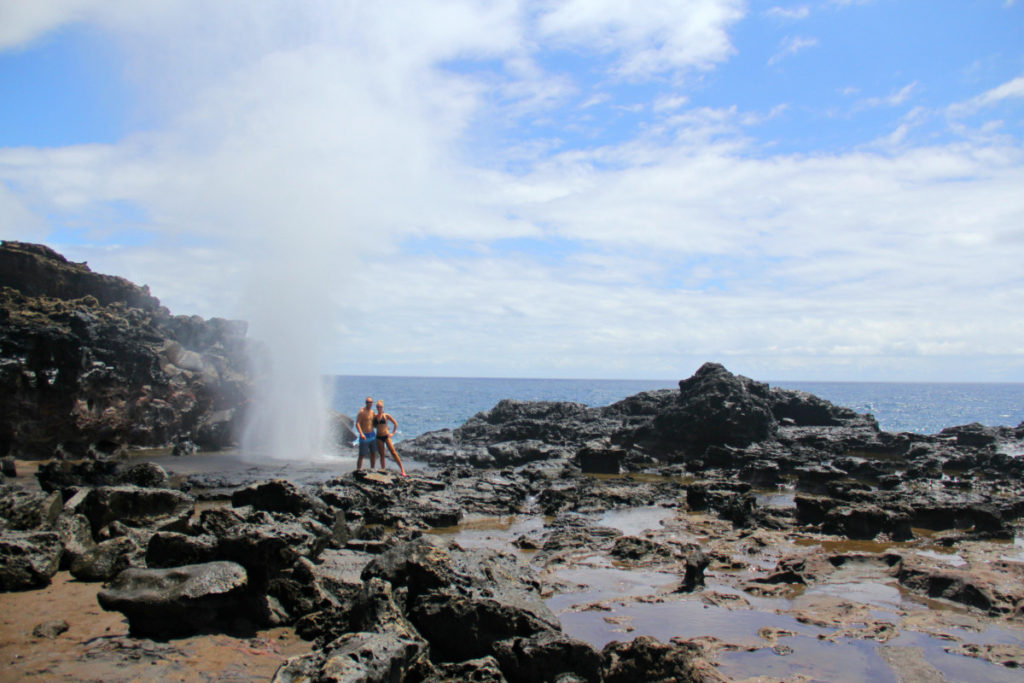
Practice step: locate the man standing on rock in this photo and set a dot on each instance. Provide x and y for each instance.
(367, 435)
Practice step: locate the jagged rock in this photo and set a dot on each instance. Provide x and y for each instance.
(545, 656)
(362, 657)
(601, 460)
(491, 595)
(24, 510)
(145, 475)
(264, 545)
(172, 549)
(481, 670)
(867, 522)
(28, 559)
(984, 590)
(974, 435)
(636, 549)
(106, 560)
(61, 475)
(715, 408)
(956, 515)
(802, 409)
(183, 600)
(158, 509)
(693, 573)
(646, 659)
(91, 363)
(76, 538)
(278, 495)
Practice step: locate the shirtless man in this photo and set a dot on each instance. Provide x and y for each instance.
(367, 436)
(380, 421)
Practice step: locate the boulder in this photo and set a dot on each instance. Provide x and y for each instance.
(278, 495)
(61, 475)
(361, 657)
(545, 656)
(158, 509)
(183, 600)
(480, 670)
(24, 509)
(106, 560)
(76, 538)
(646, 659)
(146, 475)
(28, 559)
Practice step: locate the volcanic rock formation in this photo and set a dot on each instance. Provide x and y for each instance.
(92, 363)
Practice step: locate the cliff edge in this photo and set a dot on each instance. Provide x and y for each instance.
(92, 363)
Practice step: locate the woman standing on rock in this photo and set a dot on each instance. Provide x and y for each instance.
(384, 444)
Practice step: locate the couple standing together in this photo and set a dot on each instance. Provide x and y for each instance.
(374, 433)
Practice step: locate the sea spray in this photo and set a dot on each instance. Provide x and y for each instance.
(288, 417)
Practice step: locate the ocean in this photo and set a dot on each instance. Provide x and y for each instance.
(423, 404)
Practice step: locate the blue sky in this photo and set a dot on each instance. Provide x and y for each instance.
(828, 189)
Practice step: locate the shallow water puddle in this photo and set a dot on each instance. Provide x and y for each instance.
(951, 558)
(848, 661)
(876, 594)
(633, 521)
(607, 583)
(687, 618)
(490, 532)
(780, 498)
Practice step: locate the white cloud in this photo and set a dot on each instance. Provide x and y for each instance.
(649, 38)
(789, 13)
(790, 46)
(297, 151)
(22, 22)
(670, 102)
(1010, 90)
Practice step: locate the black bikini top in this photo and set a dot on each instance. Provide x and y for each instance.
(380, 420)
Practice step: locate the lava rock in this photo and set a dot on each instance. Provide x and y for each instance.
(158, 509)
(182, 600)
(28, 559)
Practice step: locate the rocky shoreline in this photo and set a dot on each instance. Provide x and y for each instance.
(724, 530)
(771, 502)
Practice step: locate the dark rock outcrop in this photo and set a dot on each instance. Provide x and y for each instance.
(28, 559)
(715, 419)
(90, 363)
(714, 408)
(183, 600)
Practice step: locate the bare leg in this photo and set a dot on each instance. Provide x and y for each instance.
(382, 450)
(394, 454)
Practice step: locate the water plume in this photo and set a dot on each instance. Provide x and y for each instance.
(288, 291)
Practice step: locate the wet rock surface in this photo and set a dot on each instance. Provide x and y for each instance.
(707, 549)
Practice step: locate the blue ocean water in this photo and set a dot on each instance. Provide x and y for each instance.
(423, 404)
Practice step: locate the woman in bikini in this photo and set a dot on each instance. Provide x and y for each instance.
(384, 444)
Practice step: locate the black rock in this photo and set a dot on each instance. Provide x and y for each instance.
(28, 559)
(183, 600)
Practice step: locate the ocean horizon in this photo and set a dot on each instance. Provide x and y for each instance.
(423, 404)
